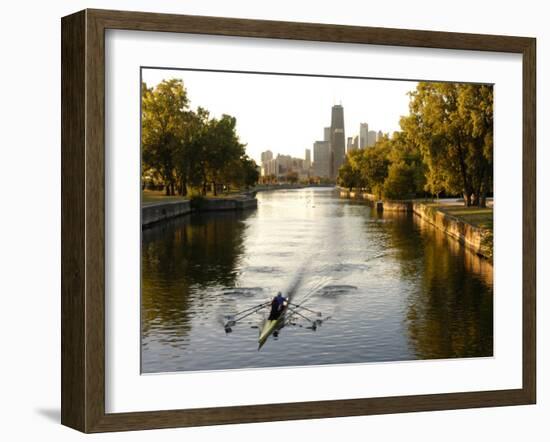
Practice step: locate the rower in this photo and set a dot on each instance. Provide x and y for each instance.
(277, 306)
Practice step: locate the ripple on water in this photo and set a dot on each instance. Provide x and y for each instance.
(347, 267)
(335, 290)
(241, 291)
(262, 269)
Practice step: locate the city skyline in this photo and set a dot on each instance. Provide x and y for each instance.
(328, 154)
(286, 114)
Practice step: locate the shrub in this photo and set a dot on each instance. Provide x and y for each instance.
(400, 183)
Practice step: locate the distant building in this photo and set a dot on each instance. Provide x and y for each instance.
(282, 165)
(270, 167)
(371, 140)
(353, 144)
(363, 135)
(337, 140)
(321, 159)
(327, 134)
(379, 135)
(266, 157)
(349, 144)
(307, 162)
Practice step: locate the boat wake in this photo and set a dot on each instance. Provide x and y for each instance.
(335, 290)
(245, 292)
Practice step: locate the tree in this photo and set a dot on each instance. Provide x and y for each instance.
(250, 172)
(400, 182)
(182, 148)
(404, 155)
(435, 181)
(451, 123)
(475, 107)
(164, 111)
(243, 172)
(195, 157)
(223, 146)
(374, 167)
(349, 174)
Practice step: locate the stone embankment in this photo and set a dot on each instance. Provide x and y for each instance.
(157, 212)
(153, 213)
(477, 239)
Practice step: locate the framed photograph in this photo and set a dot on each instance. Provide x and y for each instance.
(266, 221)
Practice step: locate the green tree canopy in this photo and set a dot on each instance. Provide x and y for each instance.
(445, 145)
(452, 124)
(164, 113)
(182, 147)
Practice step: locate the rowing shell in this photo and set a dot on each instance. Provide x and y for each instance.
(271, 325)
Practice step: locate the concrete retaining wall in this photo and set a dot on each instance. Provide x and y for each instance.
(209, 204)
(474, 238)
(153, 213)
(248, 203)
(344, 193)
(356, 194)
(369, 196)
(397, 206)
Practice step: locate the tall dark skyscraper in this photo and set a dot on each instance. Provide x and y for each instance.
(337, 140)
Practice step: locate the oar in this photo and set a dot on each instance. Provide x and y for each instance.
(252, 308)
(305, 308)
(313, 323)
(250, 311)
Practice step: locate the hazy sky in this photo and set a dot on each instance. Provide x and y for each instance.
(286, 114)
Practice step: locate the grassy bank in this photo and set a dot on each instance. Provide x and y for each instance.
(156, 196)
(475, 216)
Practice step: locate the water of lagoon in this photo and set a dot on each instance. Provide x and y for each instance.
(389, 286)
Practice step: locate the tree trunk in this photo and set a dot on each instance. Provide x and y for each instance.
(215, 188)
(183, 187)
(484, 191)
(466, 184)
(478, 190)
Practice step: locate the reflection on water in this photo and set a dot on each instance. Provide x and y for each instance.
(392, 287)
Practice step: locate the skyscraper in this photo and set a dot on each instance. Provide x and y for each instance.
(321, 159)
(327, 134)
(349, 145)
(371, 140)
(307, 163)
(353, 144)
(266, 156)
(337, 140)
(363, 135)
(379, 135)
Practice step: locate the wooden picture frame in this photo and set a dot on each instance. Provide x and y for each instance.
(83, 219)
